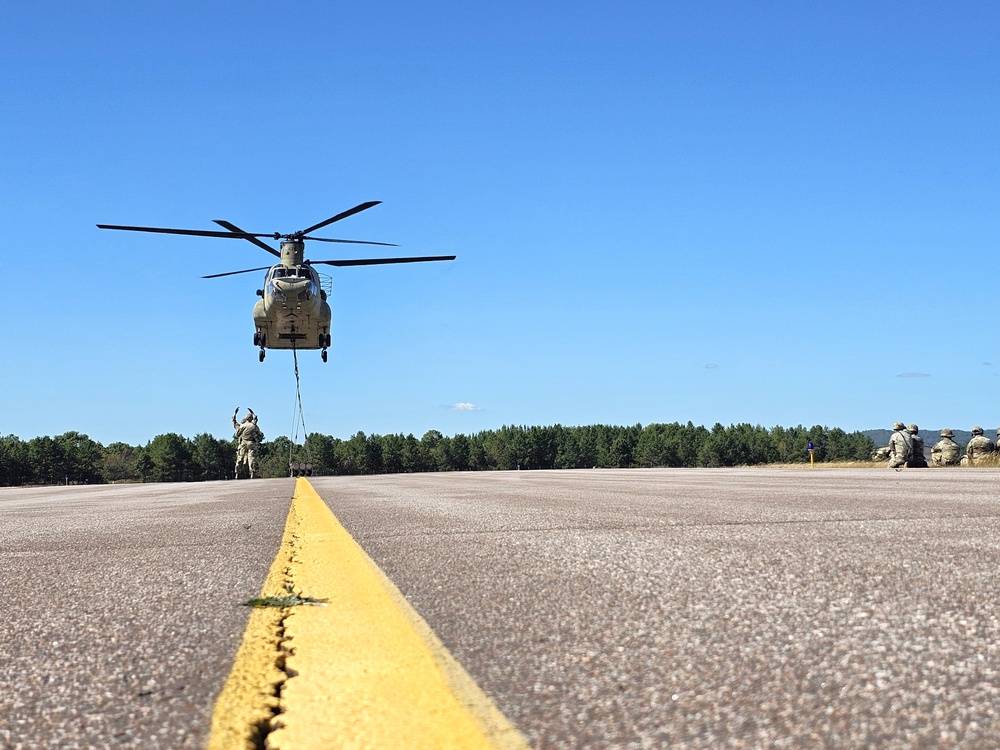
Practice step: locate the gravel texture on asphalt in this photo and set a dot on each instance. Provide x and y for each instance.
(600, 609)
(743, 608)
(122, 611)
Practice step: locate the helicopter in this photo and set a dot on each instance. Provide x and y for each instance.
(293, 311)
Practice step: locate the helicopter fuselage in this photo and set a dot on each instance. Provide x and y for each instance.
(292, 312)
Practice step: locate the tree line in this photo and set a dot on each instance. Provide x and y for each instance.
(74, 458)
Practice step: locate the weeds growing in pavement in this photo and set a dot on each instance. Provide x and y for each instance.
(292, 599)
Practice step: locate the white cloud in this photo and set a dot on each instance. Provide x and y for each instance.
(711, 366)
(464, 406)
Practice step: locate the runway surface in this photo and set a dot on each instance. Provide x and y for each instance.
(706, 608)
(644, 608)
(122, 607)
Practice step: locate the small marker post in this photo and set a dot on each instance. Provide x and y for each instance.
(812, 462)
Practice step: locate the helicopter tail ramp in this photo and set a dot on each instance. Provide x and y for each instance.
(396, 684)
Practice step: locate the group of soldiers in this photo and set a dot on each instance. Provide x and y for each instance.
(906, 449)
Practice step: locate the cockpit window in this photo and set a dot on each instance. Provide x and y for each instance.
(302, 272)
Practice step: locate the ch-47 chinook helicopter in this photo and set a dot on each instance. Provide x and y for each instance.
(292, 312)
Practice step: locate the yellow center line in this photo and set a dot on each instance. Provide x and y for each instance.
(362, 671)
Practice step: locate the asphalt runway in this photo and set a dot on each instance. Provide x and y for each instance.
(599, 609)
(719, 608)
(123, 607)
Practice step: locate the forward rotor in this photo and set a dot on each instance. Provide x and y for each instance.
(346, 263)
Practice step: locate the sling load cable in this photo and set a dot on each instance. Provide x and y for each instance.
(299, 416)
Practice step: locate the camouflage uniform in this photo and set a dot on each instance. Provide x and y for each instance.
(980, 449)
(946, 452)
(247, 436)
(917, 459)
(900, 447)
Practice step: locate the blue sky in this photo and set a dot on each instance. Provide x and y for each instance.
(732, 212)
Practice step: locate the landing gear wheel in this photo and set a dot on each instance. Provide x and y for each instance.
(261, 356)
(323, 355)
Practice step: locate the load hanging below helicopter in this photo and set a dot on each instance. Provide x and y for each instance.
(292, 312)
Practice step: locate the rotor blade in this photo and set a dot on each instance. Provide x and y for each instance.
(192, 232)
(233, 273)
(381, 261)
(338, 217)
(352, 242)
(233, 228)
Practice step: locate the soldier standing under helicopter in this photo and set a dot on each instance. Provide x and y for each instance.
(248, 436)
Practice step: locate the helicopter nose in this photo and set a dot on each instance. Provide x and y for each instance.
(288, 286)
(299, 289)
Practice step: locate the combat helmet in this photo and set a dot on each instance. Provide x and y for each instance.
(947, 433)
(977, 430)
(913, 429)
(898, 426)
